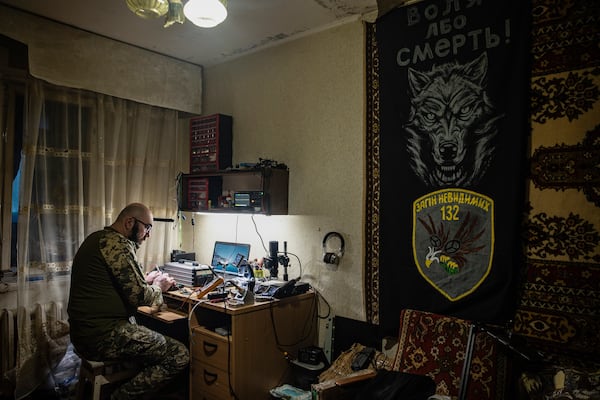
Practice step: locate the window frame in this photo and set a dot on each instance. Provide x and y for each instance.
(9, 93)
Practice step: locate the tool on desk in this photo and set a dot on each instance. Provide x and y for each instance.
(200, 292)
(210, 287)
(245, 295)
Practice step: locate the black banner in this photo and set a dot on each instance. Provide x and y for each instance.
(453, 79)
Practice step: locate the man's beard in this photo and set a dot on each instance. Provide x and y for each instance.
(133, 236)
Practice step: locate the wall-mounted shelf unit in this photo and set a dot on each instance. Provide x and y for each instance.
(210, 143)
(253, 190)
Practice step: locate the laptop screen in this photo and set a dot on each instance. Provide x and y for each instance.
(227, 256)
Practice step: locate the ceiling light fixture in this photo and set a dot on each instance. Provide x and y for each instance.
(148, 8)
(205, 13)
(175, 13)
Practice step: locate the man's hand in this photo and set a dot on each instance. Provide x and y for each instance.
(163, 281)
(151, 276)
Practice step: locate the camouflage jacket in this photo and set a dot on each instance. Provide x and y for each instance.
(107, 284)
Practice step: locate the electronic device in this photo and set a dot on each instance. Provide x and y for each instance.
(228, 257)
(188, 273)
(300, 288)
(279, 289)
(267, 289)
(276, 289)
(217, 295)
(252, 200)
(311, 355)
(362, 359)
(177, 255)
(272, 262)
(329, 256)
(275, 258)
(286, 290)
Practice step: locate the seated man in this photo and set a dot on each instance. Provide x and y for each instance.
(107, 286)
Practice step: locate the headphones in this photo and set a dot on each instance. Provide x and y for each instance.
(333, 258)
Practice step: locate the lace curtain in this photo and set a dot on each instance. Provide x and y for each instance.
(85, 156)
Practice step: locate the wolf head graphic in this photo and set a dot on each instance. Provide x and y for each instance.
(451, 123)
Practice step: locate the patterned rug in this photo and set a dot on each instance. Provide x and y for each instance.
(559, 309)
(434, 345)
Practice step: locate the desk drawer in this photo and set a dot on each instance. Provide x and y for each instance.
(210, 348)
(208, 382)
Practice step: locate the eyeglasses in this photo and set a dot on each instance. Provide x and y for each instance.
(147, 227)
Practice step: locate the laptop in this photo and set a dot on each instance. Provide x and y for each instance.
(227, 257)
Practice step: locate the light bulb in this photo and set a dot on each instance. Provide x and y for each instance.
(205, 13)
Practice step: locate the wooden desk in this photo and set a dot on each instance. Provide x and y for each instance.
(250, 360)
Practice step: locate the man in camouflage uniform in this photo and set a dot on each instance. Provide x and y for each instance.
(107, 286)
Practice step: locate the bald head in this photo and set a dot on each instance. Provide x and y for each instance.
(137, 210)
(134, 222)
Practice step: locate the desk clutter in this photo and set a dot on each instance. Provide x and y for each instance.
(241, 351)
(241, 322)
(232, 292)
(241, 282)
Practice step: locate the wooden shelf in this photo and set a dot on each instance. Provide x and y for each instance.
(251, 190)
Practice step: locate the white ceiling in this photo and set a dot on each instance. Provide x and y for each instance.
(251, 25)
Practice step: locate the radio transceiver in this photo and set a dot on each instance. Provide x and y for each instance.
(252, 200)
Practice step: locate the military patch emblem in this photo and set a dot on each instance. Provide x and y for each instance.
(453, 240)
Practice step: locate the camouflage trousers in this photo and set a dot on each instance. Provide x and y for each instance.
(160, 358)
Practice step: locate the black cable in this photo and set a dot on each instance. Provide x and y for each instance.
(237, 223)
(313, 311)
(320, 296)
(259, 236)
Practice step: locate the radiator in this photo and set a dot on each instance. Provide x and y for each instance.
(41, 317)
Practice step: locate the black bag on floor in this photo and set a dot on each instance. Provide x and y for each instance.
(393, 385)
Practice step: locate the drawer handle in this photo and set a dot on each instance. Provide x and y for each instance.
(209, 348)
(209, 377)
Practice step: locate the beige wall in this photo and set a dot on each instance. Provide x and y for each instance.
(301, 103)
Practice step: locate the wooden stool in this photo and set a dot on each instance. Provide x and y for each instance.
(99, 374)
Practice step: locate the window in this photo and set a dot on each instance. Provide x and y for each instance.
(13, 71)
(12, 133)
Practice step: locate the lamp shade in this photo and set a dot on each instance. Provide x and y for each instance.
(205, 13)
(148, 8)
